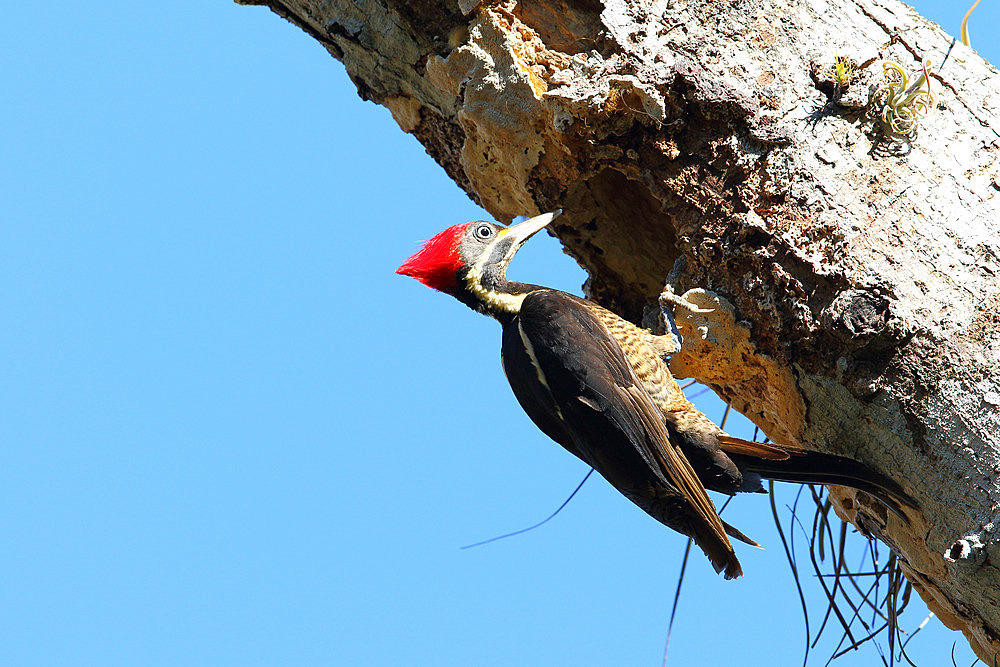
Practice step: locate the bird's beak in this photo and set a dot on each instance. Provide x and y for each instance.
(523, 231)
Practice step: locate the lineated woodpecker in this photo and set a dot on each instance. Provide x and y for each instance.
(595, 384)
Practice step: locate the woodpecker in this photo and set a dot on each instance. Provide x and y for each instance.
(596, 384)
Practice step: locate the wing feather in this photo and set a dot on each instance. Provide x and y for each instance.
(760, 450)
(608, 418)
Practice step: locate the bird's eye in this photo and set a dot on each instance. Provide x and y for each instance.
(484, 232)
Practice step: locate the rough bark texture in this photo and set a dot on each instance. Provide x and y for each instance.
(707, 145)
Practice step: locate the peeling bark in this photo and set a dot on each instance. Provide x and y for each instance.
(853, 279)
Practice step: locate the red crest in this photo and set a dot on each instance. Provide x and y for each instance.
(438, 262)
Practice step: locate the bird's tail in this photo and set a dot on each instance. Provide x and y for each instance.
(782, 463)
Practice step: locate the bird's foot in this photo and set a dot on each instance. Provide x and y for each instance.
(670, 300)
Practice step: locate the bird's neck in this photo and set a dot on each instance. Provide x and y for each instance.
(490, 293)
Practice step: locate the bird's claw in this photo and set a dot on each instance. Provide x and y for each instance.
(669, 298)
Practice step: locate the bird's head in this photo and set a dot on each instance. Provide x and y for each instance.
(469, 261)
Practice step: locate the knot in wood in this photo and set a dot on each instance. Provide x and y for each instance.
(857, 315)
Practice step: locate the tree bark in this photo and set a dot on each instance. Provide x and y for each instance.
(852, 275)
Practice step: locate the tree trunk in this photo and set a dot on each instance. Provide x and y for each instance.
(852, 266)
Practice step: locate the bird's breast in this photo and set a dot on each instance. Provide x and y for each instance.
(650, 369)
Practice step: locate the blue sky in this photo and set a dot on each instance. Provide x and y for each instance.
(232, 435)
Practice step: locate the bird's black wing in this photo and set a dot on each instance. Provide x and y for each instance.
(575, 383)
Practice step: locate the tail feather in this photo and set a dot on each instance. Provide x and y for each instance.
(809, 467)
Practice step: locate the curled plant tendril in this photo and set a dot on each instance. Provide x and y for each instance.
(965, 24)
(900, 104)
